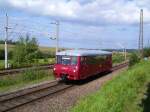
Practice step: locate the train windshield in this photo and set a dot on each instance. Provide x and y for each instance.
(67, 60)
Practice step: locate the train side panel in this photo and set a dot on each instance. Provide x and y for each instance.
(87, 69)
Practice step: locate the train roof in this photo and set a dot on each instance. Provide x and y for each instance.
(83, 52)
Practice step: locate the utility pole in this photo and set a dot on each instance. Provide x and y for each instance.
(6, 38)
(57, 35)
(125, 55)
(123, 50)
(141, 34)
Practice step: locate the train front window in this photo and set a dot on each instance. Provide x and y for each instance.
(67, 60)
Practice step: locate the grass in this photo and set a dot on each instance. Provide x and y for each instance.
(12, 82)
(121, 94)
(2, 65)
(40, 62)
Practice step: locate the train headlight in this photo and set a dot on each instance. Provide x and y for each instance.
(54, 69)
(76, 67)
(74, 70)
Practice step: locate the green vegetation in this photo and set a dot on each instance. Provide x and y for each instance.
(39, 62)
(133, 59)
(26, 52)
(122, 94)
(8, 41)
(117, 58)
(146, 52)
(46, 61)
(1, 64)
(11, 82)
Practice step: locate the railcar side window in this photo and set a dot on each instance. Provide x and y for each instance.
(83, 60)
(100, 58)
(73, 60)
(94, 59)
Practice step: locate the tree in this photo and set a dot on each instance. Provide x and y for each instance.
(25, 51)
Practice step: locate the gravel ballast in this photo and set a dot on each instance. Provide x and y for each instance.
(64, 101)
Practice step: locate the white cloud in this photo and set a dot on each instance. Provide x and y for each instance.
(94, 11)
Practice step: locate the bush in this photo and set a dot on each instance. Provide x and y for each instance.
(117, 58)
(133, 59)
(2, 54)
(25, 52)
(146, 52)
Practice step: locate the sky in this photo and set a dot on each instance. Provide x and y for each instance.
(83, 23)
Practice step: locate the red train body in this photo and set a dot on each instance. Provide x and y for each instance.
(80, 64)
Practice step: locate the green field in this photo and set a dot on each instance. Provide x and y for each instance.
(43, 49)
(10, 47)
(123, 93)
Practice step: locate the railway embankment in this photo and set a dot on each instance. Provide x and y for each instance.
(125, 93)
(29, 77)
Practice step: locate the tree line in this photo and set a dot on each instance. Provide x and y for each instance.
(8, 42)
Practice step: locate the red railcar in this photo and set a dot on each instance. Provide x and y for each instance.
(80, 64)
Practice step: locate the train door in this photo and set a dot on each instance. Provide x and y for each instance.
(103, 63)
(83, 67)
(109, 61)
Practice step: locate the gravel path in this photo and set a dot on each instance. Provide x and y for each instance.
(64, 101)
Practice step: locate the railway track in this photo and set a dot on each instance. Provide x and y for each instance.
(19, 70)
(19, 98)
(9, 101)
(119, 66)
